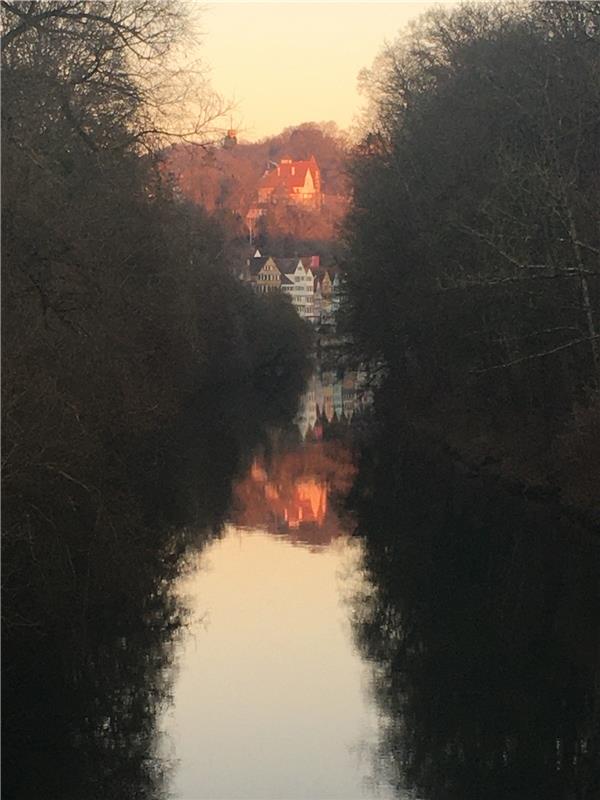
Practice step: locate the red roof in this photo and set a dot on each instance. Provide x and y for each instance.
(289, 174)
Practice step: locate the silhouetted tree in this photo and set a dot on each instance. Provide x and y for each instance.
(474, 269)
(137, 376)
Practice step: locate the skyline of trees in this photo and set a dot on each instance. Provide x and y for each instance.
(140, 378)
(473, 239)
(137, 377)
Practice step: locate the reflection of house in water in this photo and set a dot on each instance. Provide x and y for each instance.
(308, 504)
(349, 395)
(328, 378)
(337, 399)
(291, 493)
(330, 397)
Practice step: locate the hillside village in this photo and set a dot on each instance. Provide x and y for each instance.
(313, 290)
(293, 184)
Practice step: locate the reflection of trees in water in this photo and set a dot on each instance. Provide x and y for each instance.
(91, 620)
(81, 716)
(482, 621)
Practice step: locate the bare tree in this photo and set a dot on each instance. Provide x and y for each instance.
(123, 59)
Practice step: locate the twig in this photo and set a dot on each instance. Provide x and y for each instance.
(536, 355)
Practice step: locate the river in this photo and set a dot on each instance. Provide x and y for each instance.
(375, 622)
(355, 617)
(271, 697)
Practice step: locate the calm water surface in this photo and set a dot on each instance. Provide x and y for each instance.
(272, 699)
(441, 643)
(271, 696)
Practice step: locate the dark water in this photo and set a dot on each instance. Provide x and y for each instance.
(350, 617)
(483, 624)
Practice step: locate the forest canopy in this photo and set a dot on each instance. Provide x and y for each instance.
(120, 316)
(474, 239)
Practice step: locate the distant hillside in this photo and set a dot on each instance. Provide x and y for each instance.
(226, 178)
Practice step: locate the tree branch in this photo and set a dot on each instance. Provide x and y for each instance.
(536, 355)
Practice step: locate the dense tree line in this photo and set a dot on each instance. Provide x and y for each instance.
(137, 375)
(474, 276)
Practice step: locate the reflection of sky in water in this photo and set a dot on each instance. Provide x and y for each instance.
(271, 699)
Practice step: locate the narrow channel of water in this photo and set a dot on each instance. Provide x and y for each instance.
(271, 698)
(365, 623)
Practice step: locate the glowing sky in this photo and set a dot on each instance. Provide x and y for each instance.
(286, 63)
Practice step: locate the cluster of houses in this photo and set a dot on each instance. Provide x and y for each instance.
(313, 290)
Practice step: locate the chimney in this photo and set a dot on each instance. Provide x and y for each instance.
(315, 261)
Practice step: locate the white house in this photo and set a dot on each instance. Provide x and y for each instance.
(302, 289)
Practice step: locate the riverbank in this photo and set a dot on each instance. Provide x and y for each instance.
(517, 456)
(90, 616)
(482, 621)
(470, 274)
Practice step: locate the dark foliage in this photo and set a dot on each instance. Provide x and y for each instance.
(137, 377)
(481, 616)
(474, 243)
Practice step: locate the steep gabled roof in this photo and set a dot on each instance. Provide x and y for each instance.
(256, 264)
(289, 174)
(332, 272)
(287, 265)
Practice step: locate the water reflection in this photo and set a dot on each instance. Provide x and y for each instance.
(271, 698)
(92, 619)
(290, 491)
(81, 703)
(482, 622)
(475, 614)
(270, 701)
(333, 398)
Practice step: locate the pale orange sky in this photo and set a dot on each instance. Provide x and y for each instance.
(287, 63)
